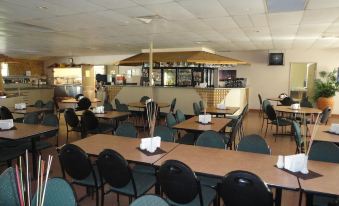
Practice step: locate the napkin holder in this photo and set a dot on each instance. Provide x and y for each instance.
(99, 109)
(334, 128)
(294, 163)
(295, 106)
(221, 106)
(205, 118)
(20, 106)
(6, 124)
(150, 143)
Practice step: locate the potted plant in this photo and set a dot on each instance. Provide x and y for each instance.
(325, 88)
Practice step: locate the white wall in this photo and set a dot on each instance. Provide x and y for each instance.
(270, 81)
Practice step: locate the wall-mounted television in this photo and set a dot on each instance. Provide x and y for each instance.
(275, 59)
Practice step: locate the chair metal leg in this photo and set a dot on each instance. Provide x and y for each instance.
(266, 128)
(276, 129)
(118, 199)
(102, 195)
(96, 196)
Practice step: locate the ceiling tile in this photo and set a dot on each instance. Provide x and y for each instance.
(171, 11)
(242, 7)
(320, 16)
(259, 20)
(147, 2)
(113, 4)
(322, 4)
(221, 24)
(287, 18)
(243, 21)
(204, 9)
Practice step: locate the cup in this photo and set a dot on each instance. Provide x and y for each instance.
(280, 162)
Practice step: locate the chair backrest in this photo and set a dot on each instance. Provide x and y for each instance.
(75, 162)
(71, 118)
(84, 103)
(173, 103)
(58, 192)
(108, 106)
(305, 103)
(79, 96)
(178, 182)
(211, 139)
(242, 188)
(235, 129)
(39, 103)
(88, 120)
(201, 105)
(50, 120)
(49, 105)
(270, 113)
(143, 99)
(265, 103)
(287, 101)
(170, 120)
(325, 115)
(150, 200)
(114, 169)
(126, 129)
(180, 116)
(324, 151)
(166, 133)
(122, 108)
(117, 103)
(31, 118)
(297, 135)
(5, 113)
(253, 143)
(196, 108)
(260, 99)
(8, 189)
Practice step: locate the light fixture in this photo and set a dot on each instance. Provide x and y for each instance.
(43, 7)
(148, 19)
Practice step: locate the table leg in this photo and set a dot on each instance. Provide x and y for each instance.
(34, 156)
(309, 199)
(278, 193)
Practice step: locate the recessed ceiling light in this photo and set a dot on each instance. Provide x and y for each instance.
(148, 19)
(43, 7)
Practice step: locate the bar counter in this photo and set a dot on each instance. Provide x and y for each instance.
(235, 97)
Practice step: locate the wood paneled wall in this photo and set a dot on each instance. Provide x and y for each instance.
(35, 66)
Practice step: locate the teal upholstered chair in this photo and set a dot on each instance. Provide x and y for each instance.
(39, 103)
(170, 120)
(126, 129)
(150, 200)
(253, 143)
(108, 106)
(58, 192)
(297, 137)
(196, 108)
(167, 134)
(211, 139)
(8, 189)
(180, 116)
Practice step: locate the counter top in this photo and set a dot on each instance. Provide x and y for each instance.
(27, 88)
(175, 87)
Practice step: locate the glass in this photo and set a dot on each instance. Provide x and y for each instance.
(169, 77)
(185, 77)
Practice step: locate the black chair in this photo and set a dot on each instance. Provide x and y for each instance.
(72, 122)
(115, 170)
(305, 102)
(325, 115)
(51, 120)
(108, 106)
(275, 120)
(84, 103)
(143, 99)
(117, 103)
(181, 186)
(122, 108)
(39, 104)
(265, 103)
(76, 164)
(287, 101)
(50, 106)
(196, 108)
(90, 124)
(242, 188)
(79, 96)
(31, 118)
(254, 143)
(5, 113)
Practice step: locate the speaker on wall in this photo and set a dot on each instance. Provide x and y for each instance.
(276, 59)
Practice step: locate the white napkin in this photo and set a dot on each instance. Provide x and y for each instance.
(6, 123)
(295, 106)
(296, 163)
(150, 143)
(205, 118)
(221, 106)
(20, 106)
(334, 128)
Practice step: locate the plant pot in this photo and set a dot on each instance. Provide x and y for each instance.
(323, 102)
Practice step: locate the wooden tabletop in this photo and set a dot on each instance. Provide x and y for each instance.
(218, 162)
(72, 100)
(142, 105)
(107, 114)
(126, 146)
(192, 124)
(28, 110)
(25, 131)
(276, 99)
(302, 110)
(323, 135)
(328, 183)
(228, 110)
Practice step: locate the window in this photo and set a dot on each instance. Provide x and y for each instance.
(4, 69)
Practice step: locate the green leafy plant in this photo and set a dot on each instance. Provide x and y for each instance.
(326, 85)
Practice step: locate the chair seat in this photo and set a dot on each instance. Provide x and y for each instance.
(10, 153)
(319, 200)
(102, 128)
(148, 169)
(143, 182)
(209, 181)
(282, 122)
(41, 145)
(208, 196)
(89, 180)
(188, 139)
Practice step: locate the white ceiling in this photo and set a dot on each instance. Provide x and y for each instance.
(98, 27)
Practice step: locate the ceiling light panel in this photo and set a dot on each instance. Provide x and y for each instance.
(274, 6)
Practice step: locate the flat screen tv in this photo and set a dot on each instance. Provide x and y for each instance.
(275, 59)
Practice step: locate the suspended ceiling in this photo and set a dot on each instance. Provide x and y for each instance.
(35, 28)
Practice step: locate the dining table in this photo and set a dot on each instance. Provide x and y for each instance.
(29, 109)
(27, 131)
(323, 134)
(223, 112)
(193, 125)
(143, 105)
